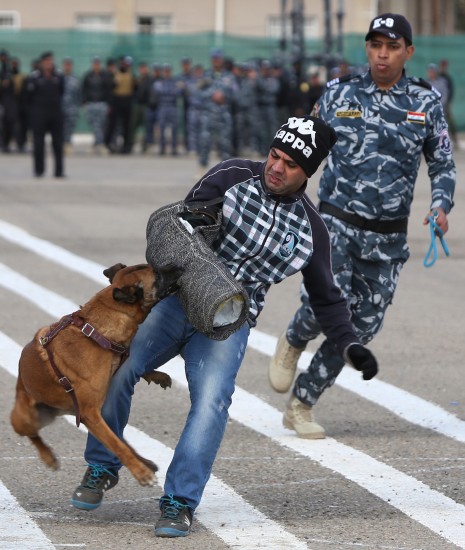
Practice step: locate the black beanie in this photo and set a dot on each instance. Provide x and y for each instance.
(307, 140)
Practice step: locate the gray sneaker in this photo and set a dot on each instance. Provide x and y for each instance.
(175, 518)
(283, 365)
(96, 481)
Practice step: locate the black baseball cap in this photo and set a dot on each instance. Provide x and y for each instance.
(392, 25)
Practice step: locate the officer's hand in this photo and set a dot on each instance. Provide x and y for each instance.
(441, 219)
(362, 359)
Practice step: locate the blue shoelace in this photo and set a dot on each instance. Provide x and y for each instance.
(96, 473)
(171, 507)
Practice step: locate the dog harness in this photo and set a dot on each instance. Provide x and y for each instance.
(91, 332)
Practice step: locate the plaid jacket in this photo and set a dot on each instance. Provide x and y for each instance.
(266, 238)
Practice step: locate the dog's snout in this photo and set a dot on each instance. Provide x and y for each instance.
(167, 278)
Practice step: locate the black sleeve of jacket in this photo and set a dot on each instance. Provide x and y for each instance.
(326, 299)
(222, 177)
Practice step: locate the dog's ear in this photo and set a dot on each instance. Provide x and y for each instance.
(128, 294)
(110, 272)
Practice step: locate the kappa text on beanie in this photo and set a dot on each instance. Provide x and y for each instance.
(307, 140)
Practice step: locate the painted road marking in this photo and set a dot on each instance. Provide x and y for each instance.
(407, 406)
(427, 506)
(223, 511)
(18, 530)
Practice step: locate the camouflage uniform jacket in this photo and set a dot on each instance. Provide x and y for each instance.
(266, 238)
(372, 169)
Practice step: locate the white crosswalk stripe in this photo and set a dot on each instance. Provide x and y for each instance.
(223, 510)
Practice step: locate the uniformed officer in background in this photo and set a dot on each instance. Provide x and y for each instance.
(384, 121)
(22, 127)
(95, 93)
(168, 92)
(216, 122)
(8, 104)
(120, 107)
(71, 102)
(268, 91)
(45, 87)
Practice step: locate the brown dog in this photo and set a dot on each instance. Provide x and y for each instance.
(61, 371)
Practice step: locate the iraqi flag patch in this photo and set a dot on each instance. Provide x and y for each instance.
(419, 118)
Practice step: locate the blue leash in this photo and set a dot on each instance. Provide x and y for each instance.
(435, 231)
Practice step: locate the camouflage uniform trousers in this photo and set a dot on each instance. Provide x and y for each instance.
(168, 120)
(366, 267)
(96, 114)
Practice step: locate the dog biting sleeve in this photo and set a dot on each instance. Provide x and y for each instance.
(215, 303)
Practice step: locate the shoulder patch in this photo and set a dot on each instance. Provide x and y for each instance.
(339, 80)
(425, 84)
(438, 93)
(422, 82)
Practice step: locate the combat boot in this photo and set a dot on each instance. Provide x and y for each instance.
(283, 365)
(299, 417)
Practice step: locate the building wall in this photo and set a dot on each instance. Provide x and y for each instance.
(237, 17)
(428, 17)
(188, 16)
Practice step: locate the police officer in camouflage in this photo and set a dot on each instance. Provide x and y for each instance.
(194, 100)
(216, 121)
(384, 121)
(246, 113)
(168, 92)
(95, 93)
(268, 91)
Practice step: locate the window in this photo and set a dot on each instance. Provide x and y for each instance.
(154, 24)
(9, 20)
(94, 22)
(145, 25)
(274, 27)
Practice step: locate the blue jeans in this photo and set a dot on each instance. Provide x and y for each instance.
(211, 368)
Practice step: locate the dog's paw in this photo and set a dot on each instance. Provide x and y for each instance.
(151, 465)
(53, 464)
(146, 477)
(48, 457)
(161, 378)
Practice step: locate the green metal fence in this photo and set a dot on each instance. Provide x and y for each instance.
(82, 46)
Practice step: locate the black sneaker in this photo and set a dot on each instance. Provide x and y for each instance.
(96, 481)
(175, 519)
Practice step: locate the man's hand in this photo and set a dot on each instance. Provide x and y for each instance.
(361, 359)
(441, 220)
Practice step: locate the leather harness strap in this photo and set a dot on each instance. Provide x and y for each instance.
(91, 332)
(65, 383)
